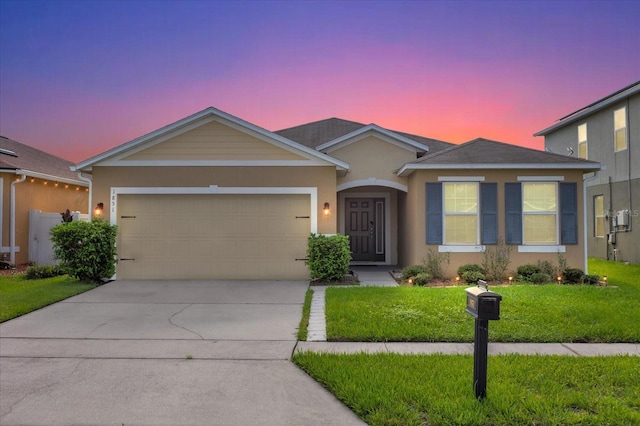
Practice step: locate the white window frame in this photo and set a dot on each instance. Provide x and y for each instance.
(622, 110)
(476, 214)
(583, 142)
(556, 213)
(597, 216)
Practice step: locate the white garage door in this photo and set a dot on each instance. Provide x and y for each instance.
(212, 236)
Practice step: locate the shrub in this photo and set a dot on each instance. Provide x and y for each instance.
(547, 267)
(422, 279)
(540, 278)
(496, 260)
(472, 277)
(591, 279)
(328, 257)
(436, 263)
(412, 271)
(470, 267)
(86, 250)
(525, 271)
(573, 276)
(43, 271)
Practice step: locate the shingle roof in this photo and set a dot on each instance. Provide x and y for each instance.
(485, 153)
(319, 132)
(30, 159)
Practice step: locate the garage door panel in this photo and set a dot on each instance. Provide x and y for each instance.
(213, 236)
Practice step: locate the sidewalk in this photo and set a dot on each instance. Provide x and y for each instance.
(380, 276)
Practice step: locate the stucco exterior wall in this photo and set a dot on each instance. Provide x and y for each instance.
(33, 194)
(372, 157)
(414, 249)
(322, 178)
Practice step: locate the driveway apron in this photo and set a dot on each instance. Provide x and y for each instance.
(163, 353)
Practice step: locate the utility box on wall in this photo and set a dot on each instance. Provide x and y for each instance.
(622, 218)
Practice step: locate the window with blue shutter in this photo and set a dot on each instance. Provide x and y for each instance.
(434, 213)
(568, 213)
(513, 213)
(489, 213)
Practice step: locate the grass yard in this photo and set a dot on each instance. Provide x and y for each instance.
(529, 313)
(306, 312)
(19, 296)
(392, 389)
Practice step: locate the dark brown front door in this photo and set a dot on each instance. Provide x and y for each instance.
(365, 228)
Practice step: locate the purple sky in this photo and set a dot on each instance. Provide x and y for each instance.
(80, 77)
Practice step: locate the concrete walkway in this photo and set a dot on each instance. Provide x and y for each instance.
(380, 276)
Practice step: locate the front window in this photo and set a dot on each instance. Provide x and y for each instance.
(582, 141)
(598, 212)
(539, 208)
(620, 129)
(461, 213)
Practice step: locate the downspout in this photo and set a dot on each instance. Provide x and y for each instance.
(629, 221)
(12, 225)
(584, 220)
(90, 182)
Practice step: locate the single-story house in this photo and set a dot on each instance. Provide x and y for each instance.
(31, 179)
(214, 196)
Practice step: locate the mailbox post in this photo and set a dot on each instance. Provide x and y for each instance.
(483, 305)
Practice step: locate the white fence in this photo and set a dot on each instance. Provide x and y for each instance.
(40, 246)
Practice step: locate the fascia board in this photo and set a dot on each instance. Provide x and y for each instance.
(193, 121)
(45, 176)
(407, 169)
(369, 128)
(589, 110)
(215, 163)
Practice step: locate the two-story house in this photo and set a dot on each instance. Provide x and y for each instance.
(607, 131)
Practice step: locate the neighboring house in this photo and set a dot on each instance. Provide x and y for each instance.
(607, 131)
(31, 179)
(213, 196)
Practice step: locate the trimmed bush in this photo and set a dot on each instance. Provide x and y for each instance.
(591, 279)
(540, 278)
(525, 271)
(422, 279)
(472, 277)
(328, 257)
(86, 250)
(43, 271)
(573, 276)
(470, 267)
(412, 271)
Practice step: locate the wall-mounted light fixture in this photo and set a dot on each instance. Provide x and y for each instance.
(326, 209)
(98, 210)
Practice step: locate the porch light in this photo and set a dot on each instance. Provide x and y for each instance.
(327, 209)
(98, 209)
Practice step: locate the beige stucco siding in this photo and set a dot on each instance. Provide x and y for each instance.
(35, 195)
(415, 249)
(372, 157)
(322, 178)
(213, 141)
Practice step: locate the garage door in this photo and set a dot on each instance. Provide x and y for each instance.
(212, 236)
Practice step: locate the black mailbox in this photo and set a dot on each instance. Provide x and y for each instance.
(483, 304)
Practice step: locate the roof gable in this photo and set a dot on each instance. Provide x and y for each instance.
(372, 129)
(24, 159)
(116, 156)
(487, 154)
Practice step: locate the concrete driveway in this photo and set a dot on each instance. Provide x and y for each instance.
(163, 353)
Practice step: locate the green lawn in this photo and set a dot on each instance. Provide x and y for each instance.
(19, 296)
(392, 389)
(529, 313)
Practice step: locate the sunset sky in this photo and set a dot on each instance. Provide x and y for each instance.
(80, 77)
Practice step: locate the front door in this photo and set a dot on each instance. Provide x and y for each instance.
(365, 227)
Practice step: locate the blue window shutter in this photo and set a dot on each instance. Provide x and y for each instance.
(489, 213)
(568, 213)
(513, 212)
(434, 213)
